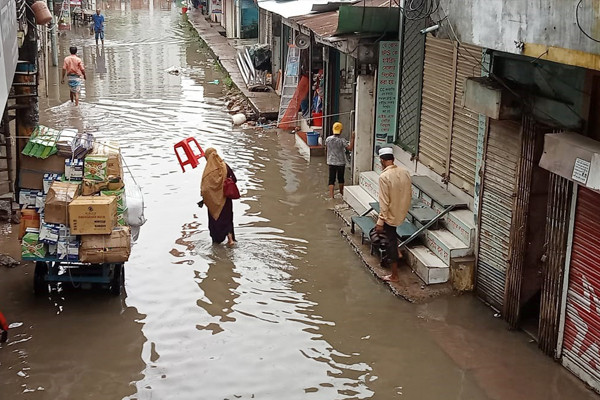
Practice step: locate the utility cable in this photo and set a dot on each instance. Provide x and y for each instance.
(579, 24)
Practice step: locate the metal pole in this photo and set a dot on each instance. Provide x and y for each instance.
(421, 229)
(53, 28)
(400, 71)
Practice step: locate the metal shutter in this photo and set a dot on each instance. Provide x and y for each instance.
(498, 194)
(438, 79)
(465, 124)
(557, 230)
(582, 321)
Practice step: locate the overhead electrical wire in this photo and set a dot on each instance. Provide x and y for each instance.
(579, 24)
(414, 10)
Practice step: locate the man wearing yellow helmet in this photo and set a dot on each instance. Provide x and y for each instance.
(335, 146)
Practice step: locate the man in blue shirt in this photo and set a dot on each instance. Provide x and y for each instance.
(98, 26)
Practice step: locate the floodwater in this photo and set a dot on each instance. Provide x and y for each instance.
(288, 313)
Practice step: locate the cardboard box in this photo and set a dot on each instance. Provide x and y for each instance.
(93, 215)
(67, 250)
(95, 168)
(112, 248)
(48, 233)
(120, 195)
(59, 196)
(115, 184)
(29, 219)
(113, 152)
(52, 249)
(90, 187)
(32, 170)
(48, 179)
(40, 202)
(74, 169)
(31, 247)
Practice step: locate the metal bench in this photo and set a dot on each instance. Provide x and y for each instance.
(407, 232)
(422, 213)
(365, 223)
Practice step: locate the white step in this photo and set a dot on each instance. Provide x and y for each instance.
(357, 198)
(445, 245)
(427, 265)
(369, 181)
(461, 224)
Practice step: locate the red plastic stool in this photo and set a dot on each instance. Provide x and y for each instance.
(191, 157)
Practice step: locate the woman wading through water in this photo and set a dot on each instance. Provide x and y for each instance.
(220, 208)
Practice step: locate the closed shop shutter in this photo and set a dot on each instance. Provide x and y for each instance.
(557, 230)
(465, 123)
(581, 342)
(438, 80)
(498, 194)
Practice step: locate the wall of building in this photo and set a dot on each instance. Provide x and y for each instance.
(513, 26)
(9, 52)
(365, 109)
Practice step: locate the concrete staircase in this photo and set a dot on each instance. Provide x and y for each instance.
(431, 254)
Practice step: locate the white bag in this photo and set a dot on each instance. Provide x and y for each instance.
(135, 202)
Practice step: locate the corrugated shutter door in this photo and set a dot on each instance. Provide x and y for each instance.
(463, 152)
(502, 155)
(438, 75)
(581, 344)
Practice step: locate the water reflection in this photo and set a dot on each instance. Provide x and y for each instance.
(100, 60)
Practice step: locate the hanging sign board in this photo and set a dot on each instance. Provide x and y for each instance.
(387, 95)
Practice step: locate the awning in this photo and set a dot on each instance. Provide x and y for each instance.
(367, 20)
(574, 157)
(294, 8)
(325, 25)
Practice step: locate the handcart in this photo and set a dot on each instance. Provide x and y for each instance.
(50, 271)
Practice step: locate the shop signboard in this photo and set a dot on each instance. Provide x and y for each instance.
(386, 110)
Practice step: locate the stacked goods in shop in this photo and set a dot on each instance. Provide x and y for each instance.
(77, 213)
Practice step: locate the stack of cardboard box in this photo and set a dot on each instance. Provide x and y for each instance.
(82, 207)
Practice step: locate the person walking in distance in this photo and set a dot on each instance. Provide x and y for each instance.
(74, 70)
(98, 26)
(394, 202)
(336, 146)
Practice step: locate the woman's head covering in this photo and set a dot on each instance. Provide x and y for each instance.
(213, 178)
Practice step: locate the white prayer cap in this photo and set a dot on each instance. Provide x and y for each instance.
(385, 150)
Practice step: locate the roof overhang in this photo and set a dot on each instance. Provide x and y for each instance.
(380, 20)
(574, 157)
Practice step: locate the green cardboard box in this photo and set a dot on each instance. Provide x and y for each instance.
(31, 247)
(122, 218)
(95, 168)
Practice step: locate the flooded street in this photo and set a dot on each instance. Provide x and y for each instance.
(288, 313)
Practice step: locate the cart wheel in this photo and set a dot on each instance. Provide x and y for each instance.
(40, 286)
(118, 281)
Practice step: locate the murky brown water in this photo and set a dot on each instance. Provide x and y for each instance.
(289, 313)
